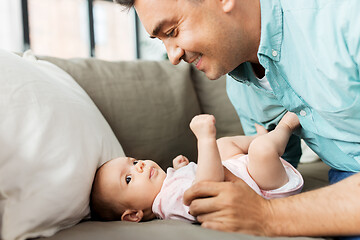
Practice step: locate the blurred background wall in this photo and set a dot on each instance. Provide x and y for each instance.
(76, 28)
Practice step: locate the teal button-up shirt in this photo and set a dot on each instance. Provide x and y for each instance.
(310, 50)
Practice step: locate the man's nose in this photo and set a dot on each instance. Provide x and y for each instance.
(175, 53)
(140, 166)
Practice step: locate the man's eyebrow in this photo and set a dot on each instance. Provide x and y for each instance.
(157, 28)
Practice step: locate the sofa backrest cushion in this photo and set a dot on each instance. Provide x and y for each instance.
(214, 100)
(148, 104)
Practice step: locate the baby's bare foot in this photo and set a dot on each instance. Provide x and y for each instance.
(290, 120)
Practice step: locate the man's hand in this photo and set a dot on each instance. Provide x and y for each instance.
(180, 161)
(229, 206)
(203, 126)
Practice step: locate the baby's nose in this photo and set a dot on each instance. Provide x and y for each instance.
(140, 166)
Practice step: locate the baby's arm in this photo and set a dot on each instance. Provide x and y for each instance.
(209, 161)
(265, 151)
(180, 161)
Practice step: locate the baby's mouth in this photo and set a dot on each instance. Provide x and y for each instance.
(152, 172)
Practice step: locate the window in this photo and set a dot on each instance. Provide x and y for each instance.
(59, 28)
(75, 28)
(115, 35)
(11, 32)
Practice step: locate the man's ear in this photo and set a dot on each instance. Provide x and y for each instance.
(227, 5)
(132, 215)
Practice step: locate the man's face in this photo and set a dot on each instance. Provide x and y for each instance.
(197, 31)
(132, 183)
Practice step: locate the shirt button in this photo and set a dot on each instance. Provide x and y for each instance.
(274, 53)
(303, 113)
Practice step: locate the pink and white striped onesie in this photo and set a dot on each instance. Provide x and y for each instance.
(168, 204)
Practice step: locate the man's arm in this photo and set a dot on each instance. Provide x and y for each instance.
(209, 162)
(233, 206)
(329, 211)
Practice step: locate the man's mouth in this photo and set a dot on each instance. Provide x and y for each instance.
(196, 61)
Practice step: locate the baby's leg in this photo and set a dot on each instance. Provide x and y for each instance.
(232, 146)
(265, 166)
(235, 145)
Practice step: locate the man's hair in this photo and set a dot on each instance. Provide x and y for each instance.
(126, 3)
(101, 207)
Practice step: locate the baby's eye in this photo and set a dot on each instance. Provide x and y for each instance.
(135, 162)
(128, 179)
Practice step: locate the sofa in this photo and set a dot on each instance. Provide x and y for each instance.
(148, 106)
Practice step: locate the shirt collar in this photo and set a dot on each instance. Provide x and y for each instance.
(270, 39)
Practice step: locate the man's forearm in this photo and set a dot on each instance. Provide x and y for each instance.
(329, 211)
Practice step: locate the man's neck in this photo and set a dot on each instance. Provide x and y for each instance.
(249, 18)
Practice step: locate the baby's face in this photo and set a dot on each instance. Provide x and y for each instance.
(132, 183)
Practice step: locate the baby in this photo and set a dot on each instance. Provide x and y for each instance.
(139, 190)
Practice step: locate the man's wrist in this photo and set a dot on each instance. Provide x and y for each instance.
(269, 222)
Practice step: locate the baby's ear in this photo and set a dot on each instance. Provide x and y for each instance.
(132, 215)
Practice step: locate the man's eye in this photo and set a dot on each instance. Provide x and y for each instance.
(135, 162)
(128, 179)
(171, 33)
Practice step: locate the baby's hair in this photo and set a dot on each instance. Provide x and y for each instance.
(101, 207)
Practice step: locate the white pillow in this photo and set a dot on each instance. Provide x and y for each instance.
(52, 139)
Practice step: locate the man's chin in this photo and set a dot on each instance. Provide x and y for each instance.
(213, 76)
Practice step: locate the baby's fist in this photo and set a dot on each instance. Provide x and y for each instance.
(203, 126)
(180, 161)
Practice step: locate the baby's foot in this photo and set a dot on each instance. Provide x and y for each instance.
(203, 126)
(290, 120)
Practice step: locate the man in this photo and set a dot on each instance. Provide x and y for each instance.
(300, 55)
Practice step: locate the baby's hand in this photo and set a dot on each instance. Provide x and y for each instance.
(180, 161)
(290, 120)
(203, 126)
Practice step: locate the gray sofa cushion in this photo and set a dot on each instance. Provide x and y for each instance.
(149, 104)
(214, 100)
